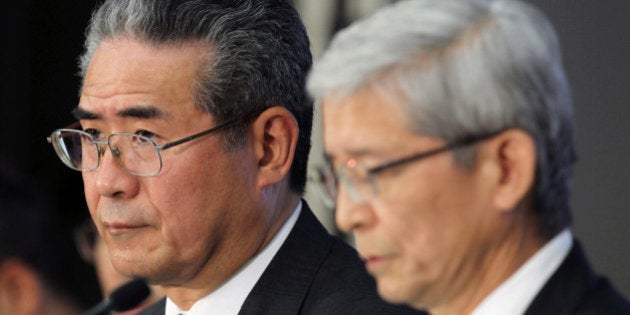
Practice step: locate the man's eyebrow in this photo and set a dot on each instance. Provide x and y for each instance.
(143, 112)
(81, 114)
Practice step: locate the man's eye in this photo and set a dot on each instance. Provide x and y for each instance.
(95, 133)
(146, 135)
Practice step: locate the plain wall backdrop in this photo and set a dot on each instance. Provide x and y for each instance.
(595, 37)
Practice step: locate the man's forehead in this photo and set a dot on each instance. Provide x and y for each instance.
(366, 124)
(130, 79)
(362, 111)
(356, 133)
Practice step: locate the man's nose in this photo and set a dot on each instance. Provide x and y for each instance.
(112, 180)
(351, 215)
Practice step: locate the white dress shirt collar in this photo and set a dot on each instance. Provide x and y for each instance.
(229, 297)
(515, 294)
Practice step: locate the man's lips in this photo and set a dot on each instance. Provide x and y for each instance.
(374, 263)
(120, 227)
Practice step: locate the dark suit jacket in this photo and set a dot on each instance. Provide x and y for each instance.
(575, 289)
(312, 273)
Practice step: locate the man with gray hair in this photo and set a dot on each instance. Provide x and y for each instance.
(449, 137)
(193, 138)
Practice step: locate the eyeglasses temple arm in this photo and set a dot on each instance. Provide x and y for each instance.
(456, 144)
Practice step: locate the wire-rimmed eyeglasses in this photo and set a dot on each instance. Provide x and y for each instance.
(360, 182)
(136, 154)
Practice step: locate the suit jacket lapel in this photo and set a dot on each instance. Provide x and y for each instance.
(566, 287)
(286, 281)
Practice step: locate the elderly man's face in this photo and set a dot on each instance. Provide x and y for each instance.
(198, 218)
(421, 236)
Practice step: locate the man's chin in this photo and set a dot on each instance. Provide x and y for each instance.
(394, 293)
(132, 267)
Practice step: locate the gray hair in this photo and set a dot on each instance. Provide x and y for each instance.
(462, 68)
(258, 56)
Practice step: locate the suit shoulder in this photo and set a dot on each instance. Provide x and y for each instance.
(343, 286)
(603, 299)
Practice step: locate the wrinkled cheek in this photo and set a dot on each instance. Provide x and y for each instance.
(399, 282)
(423, 258)
(181, 241)
(89, 190)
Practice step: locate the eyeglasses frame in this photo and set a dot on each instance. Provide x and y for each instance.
(158, 148)
(372, 172)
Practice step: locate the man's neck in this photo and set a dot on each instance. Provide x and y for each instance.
(499, 262)
(185, 295)
(285, 206)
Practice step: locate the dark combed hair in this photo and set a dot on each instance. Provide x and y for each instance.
(258, 56)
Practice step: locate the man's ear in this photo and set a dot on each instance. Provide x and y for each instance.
(21, 289)
(514, 154)
(275, 135)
